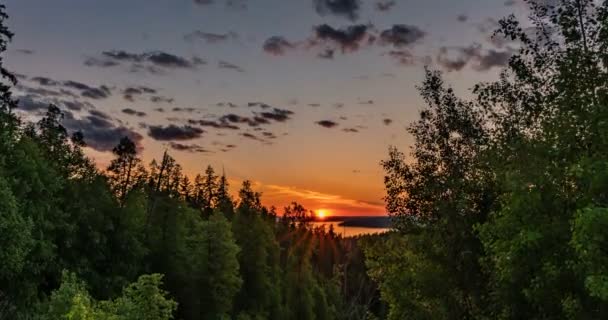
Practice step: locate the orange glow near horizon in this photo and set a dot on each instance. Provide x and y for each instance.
(322, 213)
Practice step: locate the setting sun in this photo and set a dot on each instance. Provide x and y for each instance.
(322, 213)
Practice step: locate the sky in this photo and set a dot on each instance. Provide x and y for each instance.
(302, 97)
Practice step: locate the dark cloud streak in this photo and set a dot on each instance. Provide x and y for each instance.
(209, 37)
(401, 35)
(227, 65)
(342, 8)
(327, 123)
(277, 46)
(173, 132)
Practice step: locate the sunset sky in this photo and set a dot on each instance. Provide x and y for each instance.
(303, 97)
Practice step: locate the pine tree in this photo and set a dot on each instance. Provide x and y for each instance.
(123, 169)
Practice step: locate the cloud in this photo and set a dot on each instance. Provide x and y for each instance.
(327, 123)
(387, 121)
(456, 58)
(209, 37)
(44, 92)
(235, 118)
(226, 104)
(173, 132)
(214, 124)
(251, 121)
(101, 63)
(179, 109)
(279, 115)
(227, 65)
(462, 18)
(99, 132)
(168, 60)
(350, 130)
(343, 8)
(223, 147)
(232, 121)
(37, 100)
(130, 93)
(493, 58)
(251, 136)
(76, 105)
(132, 112)
(161, 99)
(327, 54)
(269, 135)
(401, 35)
(348, 39)
(236, 4)
(148, 61)
(44, 81)
(25, 51)
(101, 92)
(403, 57)
(64, 87)
(259, 104)
(277, 45)
(119, 55)
(385, 5)
(452, 63)
(100, 114)
(316, 199)
(31, 103)
(192, 148)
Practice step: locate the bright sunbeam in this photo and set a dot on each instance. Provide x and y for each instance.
(322, 213)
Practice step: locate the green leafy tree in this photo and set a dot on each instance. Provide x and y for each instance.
(15, 236)
(501, 187)
(143, 299)
(439, 197)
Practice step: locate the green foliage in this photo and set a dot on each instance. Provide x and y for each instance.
(223, 267)
(257, 258)
(590, 242)
(145, 299)
(70, 301)
(504, 198)
(141, 300)
(15, 235)
(112, 228)
(414, 286)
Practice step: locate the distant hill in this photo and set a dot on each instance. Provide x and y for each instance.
(366, 222)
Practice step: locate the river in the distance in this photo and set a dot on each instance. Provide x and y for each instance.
(349, 231)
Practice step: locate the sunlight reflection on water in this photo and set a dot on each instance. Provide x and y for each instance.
(349, 231)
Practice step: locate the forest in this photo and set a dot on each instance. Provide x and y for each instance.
(499, 210)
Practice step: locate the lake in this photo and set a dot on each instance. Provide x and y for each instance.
(349, 231)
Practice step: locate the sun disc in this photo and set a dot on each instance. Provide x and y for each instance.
(321, 213)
